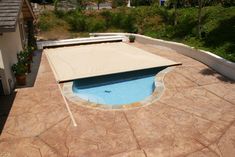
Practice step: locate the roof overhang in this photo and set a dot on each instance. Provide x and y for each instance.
(12, 29)
(24, 7)
(30, 10)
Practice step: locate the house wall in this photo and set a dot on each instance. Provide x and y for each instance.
(10, 45)
(2, 75)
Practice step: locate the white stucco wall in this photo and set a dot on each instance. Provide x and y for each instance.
(10, 45)
(1, 69)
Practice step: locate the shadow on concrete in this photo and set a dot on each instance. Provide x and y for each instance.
(31, 77)
(6, 103)
(208, 71)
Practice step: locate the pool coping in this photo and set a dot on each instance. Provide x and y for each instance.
(155, 96)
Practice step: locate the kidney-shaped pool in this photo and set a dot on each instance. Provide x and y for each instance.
(117, 89)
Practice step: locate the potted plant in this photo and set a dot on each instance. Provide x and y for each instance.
(131, 38)
(30, 53)
(19, 69)
(25, 58)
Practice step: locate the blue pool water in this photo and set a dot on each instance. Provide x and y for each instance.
(115, 91)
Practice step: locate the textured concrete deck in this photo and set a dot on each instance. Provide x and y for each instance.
(195, 117)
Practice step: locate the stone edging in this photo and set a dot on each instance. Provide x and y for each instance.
(156, 95)
(215, 62)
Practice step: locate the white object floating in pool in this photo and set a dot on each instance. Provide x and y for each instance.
(118, 93)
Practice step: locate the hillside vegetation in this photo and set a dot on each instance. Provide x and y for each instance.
(218, 25)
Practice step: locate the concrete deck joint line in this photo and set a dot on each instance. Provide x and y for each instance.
(67, 106)
(225, 130)
(218, 95)
(132, 130)
(45, 143)
(145, 154)
(190, 113)
(205, 146)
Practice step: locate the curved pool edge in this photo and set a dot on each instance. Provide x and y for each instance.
(155, 96)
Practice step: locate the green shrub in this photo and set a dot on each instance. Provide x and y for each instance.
(158, 22)
(187, 23)
(107, 16)
(116, 19)
(166, 15)
(46, 21)
(122, 20)
(77, 21)
(128, 23)
(226, 51)
(60, 13)
(95, 25)
(118, 3)
(140, 2)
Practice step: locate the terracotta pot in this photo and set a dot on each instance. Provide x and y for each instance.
(131, 40)
(21, 79)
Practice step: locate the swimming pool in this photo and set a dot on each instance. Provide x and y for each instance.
(117, 89)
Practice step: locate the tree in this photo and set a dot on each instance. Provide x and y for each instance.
(56, 5)
(41, 1)
(228, 3)
(175, 4)
(200, 18)
(141, 2)
(81, 4)
(31, 37)
(116, 3)
(98, 3)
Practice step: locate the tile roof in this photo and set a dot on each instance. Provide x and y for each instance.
(9, 11)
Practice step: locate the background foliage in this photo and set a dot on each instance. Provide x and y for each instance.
(218, 24)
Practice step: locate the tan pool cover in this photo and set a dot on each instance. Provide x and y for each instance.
(69, 63)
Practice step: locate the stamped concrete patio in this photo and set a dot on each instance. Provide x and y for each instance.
(195, 117)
